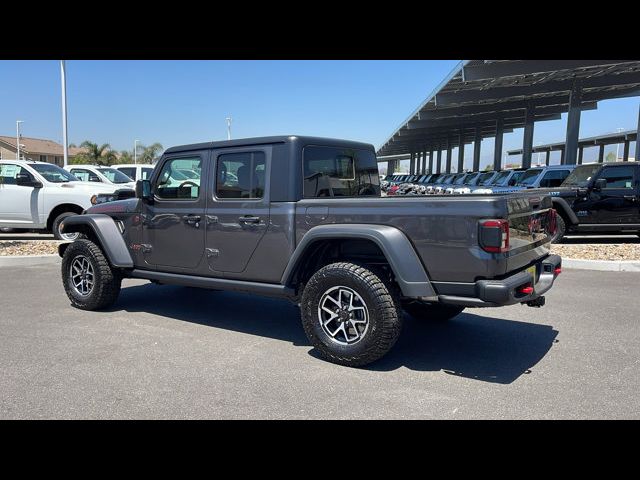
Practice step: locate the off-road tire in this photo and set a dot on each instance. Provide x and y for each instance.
(561, 228)
(107, 280)
(436, 312)
(55, 226)
(381, 300)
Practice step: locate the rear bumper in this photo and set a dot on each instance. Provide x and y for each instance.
(496, 293)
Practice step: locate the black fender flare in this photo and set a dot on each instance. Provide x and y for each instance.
(106, 232)
(561, 205)
(396, 247)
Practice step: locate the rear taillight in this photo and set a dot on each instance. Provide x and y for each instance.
(494, 235)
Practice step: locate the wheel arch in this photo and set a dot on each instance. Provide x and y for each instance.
(393, 245)
(62, 208)
(563, 208)
(103, 230)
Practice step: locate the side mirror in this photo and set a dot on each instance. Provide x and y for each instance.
(143, 190)
(599, 184)
(25, 180)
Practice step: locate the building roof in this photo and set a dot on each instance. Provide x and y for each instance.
(39, 146)
(479, 92)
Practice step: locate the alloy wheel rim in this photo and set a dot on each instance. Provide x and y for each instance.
(82, 276)
(69, 236)
(343, 315)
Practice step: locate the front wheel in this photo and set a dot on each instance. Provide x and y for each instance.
(350, 315)
(89, 280)
(55, 228)
(436, 312)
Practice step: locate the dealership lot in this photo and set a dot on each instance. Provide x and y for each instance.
(174, 352)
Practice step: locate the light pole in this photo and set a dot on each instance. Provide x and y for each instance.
(618, 145)
(18, 122)
(229, 128)
(135, 152)
(65, 140)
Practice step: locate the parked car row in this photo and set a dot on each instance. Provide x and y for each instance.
(38, 195)
(595, 198)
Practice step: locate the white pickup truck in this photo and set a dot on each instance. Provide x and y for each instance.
(39, 195)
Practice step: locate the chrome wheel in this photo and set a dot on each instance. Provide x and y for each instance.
(343, 315)
(82, 278)
(70, 237)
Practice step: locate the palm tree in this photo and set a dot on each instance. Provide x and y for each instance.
(126, 156)
(101, 155)
(150, 152)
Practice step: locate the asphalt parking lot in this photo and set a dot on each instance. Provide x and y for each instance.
(174, 352)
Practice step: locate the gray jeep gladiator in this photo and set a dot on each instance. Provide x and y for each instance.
(302, 218)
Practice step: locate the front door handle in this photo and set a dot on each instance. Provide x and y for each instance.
(192, 220)
(630, 197)
(249, 219)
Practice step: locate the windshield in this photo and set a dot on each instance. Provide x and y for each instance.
(581, 176)
(470, 178)
(115, 176)
(500, 178)
(53, 173)
(485, 178)
(460, 180)
(529, 177)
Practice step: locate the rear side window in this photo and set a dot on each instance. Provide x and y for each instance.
(618, 177)
(172, 184)
(9, 172)
(240, 175)
(339, 172)
(553, 178)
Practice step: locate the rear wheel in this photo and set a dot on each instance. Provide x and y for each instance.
(561, 228)
(436, 312)
(350, 315)
(89, 281)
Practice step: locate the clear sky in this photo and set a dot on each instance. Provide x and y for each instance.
(177, 102)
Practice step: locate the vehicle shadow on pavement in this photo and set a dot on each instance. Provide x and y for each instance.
(473, 346)
(251, 314)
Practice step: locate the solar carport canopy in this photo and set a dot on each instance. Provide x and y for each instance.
(486, 98)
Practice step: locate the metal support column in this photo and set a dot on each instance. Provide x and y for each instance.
(580, 152)
(573, 125)
(637, 154)
(439, 161)
(448, 168)
(411, 163)
(476, 150)
(527, 140)
(563, 153)
(625, 155)
(497, 149)
(601, 154)
(547, 158)
(461, 154)
(431, 161)
(424, 161)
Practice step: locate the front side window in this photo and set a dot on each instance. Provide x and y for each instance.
(618, 177)
(85, 175)
(9, 172)
(240, 175)
(53, 173)
(339, 172)
(553, 178)
(172, 184)
(115, 176)
(529, 177)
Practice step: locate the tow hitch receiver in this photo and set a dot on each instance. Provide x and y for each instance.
(537, 302)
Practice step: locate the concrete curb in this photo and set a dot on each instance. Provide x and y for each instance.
(28, 260)
(603, 265)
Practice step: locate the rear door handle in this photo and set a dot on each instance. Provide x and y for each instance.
(249, 219)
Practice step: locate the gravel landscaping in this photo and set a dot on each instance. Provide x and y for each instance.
(615, 251)
(619, 251)
(28, 247)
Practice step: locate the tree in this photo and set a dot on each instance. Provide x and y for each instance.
(126, 156)
(611, 157)
(100, 155)
(150, 153)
